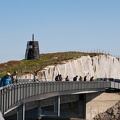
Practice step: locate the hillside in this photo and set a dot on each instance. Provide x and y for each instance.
(31, 66)
(96, 65)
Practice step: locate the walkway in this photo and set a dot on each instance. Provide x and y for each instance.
(15, 95)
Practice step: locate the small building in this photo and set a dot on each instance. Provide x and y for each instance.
(32, 50)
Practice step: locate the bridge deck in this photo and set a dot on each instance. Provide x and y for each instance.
(14, 95)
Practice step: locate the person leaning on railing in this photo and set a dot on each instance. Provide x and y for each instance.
(6, 80)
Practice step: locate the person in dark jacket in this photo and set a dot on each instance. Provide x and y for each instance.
(85, 78)
(75, 78)
(57, 78)
(91, 79)
(60, 77)
(66, 79)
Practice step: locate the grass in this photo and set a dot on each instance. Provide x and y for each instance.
(32, 66)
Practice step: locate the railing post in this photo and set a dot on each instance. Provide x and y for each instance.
(21, 112)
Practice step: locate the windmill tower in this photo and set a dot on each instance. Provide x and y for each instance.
(32, 50)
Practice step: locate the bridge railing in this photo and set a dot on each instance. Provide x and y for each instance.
(13, 94)
(115, 85)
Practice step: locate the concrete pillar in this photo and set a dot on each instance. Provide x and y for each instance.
(21, 112)
(82, 106)
(57, 105)
(39, 113)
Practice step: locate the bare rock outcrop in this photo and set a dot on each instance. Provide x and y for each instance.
(112, 113)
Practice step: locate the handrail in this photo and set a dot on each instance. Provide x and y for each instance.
(12, 94)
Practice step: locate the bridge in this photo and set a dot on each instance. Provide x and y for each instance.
(17, 95)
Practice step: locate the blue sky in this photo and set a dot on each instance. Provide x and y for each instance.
(59, 25)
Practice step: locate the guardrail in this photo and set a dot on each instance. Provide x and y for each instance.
(115, 85)
(12, 94)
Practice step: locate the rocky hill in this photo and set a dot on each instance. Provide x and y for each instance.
(112, 113)
(98, 66)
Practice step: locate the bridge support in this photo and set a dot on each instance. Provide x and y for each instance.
(1, 117)
(57, 105)
(82, 105)
(21, 112)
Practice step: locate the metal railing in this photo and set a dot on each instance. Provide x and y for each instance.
(13, 94)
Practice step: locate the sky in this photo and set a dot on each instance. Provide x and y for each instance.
(59, 26)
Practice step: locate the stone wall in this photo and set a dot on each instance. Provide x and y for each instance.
(32, 50)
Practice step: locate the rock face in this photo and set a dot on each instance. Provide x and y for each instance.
(97, 66)
(99, 102)
(112, 113)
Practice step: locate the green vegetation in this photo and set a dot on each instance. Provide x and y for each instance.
(31, 66)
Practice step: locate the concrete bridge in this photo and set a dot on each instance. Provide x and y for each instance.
(17, 95)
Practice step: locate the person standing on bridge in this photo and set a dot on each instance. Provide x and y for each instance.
(67, 79)
(80, 78)
(91, 79)
(85, 78)
(14, 77)
(60, 77)
(75, 78)
(6, 80)
(57, 78)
